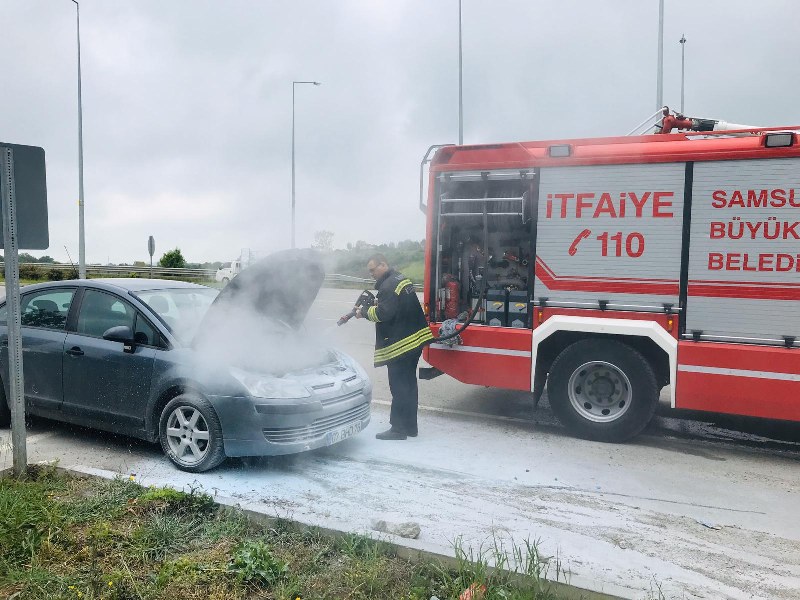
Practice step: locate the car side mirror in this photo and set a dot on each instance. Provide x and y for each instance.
(121, 333)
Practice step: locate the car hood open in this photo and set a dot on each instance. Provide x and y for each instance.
(254, 323)
(281, 286)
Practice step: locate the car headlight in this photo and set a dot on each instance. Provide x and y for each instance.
(353, 364)
(267, 386)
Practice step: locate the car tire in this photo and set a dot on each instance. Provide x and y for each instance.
(603, 390)
(5, 409)
(191, 434)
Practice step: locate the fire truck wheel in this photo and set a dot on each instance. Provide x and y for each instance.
(603, 390)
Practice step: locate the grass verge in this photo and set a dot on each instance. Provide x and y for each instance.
(66, 537)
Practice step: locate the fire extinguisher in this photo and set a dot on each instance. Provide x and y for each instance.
(452, 299)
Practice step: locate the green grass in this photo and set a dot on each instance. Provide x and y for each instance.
(415, 271)
(73, 538)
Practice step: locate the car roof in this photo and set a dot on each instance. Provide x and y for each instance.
(120, 284)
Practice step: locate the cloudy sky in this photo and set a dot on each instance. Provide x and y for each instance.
(188, 103)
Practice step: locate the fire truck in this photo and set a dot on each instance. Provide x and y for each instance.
(604, 270)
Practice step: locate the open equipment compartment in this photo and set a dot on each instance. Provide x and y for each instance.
(485, 223)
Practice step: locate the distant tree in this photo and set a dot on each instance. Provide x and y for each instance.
(139, 263)
(47, 260)
(323, 240)
(173, 260)
(24, 257)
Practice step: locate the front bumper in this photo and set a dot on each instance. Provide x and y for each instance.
(252, 427)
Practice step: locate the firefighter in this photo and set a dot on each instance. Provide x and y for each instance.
(400, 332)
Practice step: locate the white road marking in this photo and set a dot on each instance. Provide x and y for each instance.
(463, 413)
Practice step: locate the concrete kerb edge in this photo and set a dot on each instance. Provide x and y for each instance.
(395, 543)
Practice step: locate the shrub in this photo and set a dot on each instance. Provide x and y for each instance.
(252, 561)
(30, 272)
(173, 259)
(55, 274)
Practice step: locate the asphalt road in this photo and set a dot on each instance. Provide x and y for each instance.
(696, 508)
(449, 396)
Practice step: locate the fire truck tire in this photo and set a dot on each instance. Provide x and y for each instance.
(603, 390)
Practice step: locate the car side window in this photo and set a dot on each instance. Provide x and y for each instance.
(145, 334)
(101, 311)
(47, 308)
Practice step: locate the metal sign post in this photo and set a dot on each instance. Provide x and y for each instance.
(151, 248)
(23, 194)
(16, 383)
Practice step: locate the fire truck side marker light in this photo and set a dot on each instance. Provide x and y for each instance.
(778, 140)
(559, 151)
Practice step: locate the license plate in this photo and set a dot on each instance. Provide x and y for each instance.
(337, 435)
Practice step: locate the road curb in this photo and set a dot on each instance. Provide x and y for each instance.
(400, 546)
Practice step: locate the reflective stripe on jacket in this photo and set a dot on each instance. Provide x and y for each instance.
(400, 324)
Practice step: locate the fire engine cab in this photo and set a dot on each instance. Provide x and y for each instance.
(607, 269)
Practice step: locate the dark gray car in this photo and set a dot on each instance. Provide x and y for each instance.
(209, 375)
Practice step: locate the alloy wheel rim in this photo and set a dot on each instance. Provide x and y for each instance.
(188, 435)
(600, 392)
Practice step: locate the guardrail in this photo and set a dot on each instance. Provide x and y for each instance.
(121, 270)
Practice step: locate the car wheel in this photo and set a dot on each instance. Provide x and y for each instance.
(603, 390)
(191, 434)
(5, 409)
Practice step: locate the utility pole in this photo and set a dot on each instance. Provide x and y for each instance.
(294, 85)
(81, 229)
(660, 82)
(460, 83)
(683, 65)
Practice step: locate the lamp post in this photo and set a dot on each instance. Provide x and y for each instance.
(294, 85)
(81, 230)
(460, 83)
(660, 76)
(683, 64)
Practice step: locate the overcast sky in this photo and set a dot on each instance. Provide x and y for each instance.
(187, 105)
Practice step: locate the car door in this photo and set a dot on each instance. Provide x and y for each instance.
(43, 318)
(107, 382)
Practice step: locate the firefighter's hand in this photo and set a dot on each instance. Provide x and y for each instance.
(358, 312)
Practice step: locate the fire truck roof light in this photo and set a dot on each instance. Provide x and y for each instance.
(779, 140)
(559, 151)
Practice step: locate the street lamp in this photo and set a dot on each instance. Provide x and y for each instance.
(81, 231)
(660, 75)
(683, 63)
(294, 84)
(460, 83)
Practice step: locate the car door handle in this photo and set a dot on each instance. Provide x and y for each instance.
(75, 351)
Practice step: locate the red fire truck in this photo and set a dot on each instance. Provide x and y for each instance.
(607, 269)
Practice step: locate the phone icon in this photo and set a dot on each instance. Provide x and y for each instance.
(573, 247)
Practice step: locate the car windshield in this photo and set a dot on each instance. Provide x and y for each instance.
(181, 309)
